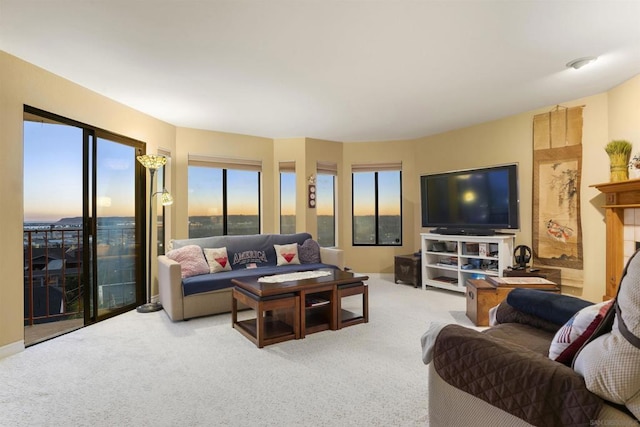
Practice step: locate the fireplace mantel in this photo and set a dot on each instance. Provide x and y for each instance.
(618, 197)
(622, 194)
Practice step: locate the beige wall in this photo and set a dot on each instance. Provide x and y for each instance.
(291, 150)
(318, 150)
(509, 140)
(221, 145)
(610, 115)
(367, 259)
(624, 112)
(21, 83)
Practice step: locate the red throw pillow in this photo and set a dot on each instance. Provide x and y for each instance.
(218, 259)
(287, 254)
(576, 331)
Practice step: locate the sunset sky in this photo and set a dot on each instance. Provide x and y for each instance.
(388, 193)
(53, 182)
(53, 174)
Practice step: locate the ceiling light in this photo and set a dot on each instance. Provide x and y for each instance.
(581, 62)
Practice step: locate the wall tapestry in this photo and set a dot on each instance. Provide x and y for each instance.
(557, 168)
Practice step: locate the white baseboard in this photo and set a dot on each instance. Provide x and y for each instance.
(11, 349)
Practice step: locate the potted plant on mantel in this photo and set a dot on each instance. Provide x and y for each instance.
(619, 152)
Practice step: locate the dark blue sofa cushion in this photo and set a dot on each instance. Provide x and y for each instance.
(216, 281)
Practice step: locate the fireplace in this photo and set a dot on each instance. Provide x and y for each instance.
(622, 216)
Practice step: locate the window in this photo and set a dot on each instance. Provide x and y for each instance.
(325, 203)
(377, 205)
(287, 197)
(224, 196)
(161, 210)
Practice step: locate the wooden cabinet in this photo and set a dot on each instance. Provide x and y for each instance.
(449, 261)
(482, 296)
(407, 269)
(618, 197)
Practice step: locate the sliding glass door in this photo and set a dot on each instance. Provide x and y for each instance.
(83, 225)
(53, 228)
(117, 231)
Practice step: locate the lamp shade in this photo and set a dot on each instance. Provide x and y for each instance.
(166, 199)
(151, 161)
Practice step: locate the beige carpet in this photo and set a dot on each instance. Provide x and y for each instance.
(142, 369)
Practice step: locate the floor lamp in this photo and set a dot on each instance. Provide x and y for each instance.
(152, 163)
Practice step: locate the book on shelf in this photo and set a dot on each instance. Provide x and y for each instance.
(315, 302)
(446, 279)
(449, 261)
(519, 281)
(446, 264)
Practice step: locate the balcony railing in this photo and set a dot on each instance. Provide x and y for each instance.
(53, 274)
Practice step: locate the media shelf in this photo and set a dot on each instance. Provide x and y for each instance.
(448, 261)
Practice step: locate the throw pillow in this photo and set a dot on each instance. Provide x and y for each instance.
(191, 259)
(610, 363)
(287, 254)
(217, 259)
(577, 331)
(309, 252)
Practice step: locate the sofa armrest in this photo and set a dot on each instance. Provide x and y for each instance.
(333, 256)
(170, 287)
(511, 377)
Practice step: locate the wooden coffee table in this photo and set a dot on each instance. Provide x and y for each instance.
(318, 305)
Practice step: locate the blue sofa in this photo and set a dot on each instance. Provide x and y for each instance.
(208, 294)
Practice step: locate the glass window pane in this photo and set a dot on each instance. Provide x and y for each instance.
(377, 207)
(205, 201)
(115, 216)
(389, 208)
(364, 208)
(53, 158)
(53, 220)
(287, 202)
(243, 202)
(325, 207)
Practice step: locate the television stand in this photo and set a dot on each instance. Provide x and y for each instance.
(449, 261)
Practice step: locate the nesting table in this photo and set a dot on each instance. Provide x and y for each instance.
(292, 309)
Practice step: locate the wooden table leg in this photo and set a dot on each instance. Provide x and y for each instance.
(365, 303)
(303, 314)
(234, 308)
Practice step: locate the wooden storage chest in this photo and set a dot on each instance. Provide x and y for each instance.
(482, 296)
(408, 269)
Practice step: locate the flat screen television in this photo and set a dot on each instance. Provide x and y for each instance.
(473, 202)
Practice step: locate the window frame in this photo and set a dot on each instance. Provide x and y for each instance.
(333, 214)
(376, 205)
(294, 202)
(288, 168)
(225, 165)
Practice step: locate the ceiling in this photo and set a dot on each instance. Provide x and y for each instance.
(342, 70)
